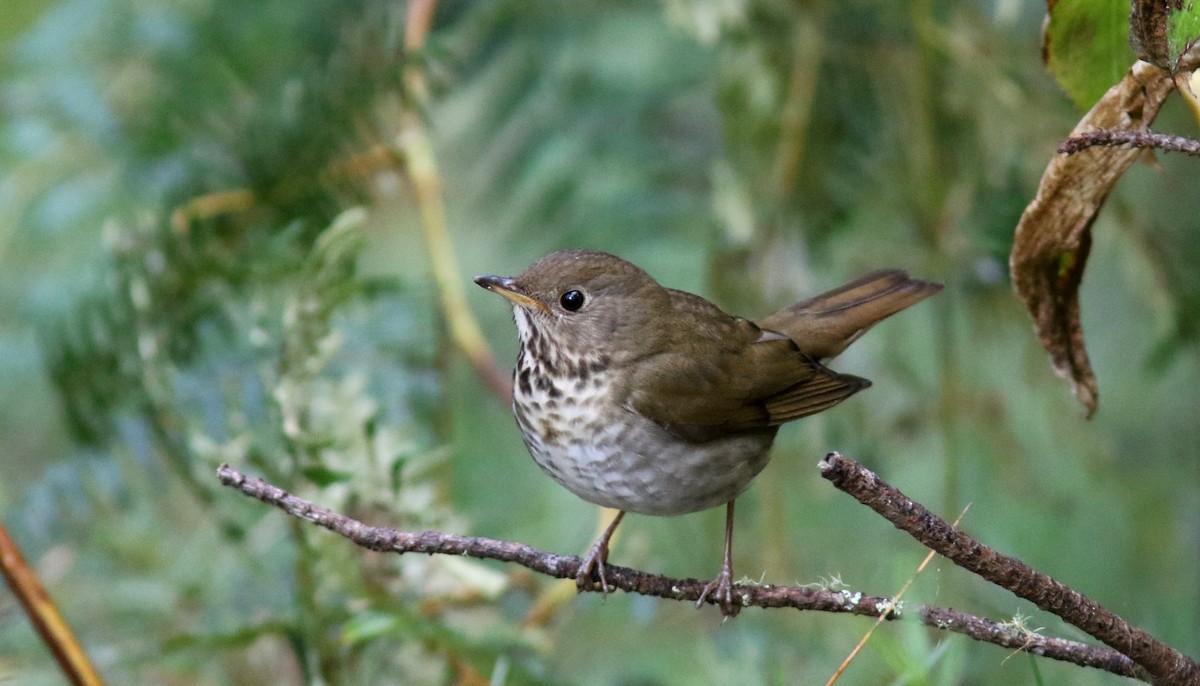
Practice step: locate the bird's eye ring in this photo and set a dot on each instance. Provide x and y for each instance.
(571, 300)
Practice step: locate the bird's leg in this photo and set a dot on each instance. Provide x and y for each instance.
(596, 558)
(721, 587)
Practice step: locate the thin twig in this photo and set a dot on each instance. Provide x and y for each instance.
(1132, 138)
(900, 594)
(632, 581)
(44, 615)
(1162, 663)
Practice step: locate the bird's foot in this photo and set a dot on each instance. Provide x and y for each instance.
(593, 563)
(721, 590)
(591, 568)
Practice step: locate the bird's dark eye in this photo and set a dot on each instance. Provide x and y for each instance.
(571, 301)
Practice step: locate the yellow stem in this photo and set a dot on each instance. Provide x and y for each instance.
(891, 607)
(421, 167)
(426, 185)
(557, 594)
(211, 205)
(44, 615)
(797, 109)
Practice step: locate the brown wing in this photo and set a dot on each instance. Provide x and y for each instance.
(731, 376)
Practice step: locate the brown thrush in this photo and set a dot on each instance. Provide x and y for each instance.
(651, 400)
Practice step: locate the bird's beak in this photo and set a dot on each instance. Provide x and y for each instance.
(507, 287)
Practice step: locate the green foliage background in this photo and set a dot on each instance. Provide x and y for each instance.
(749, 150)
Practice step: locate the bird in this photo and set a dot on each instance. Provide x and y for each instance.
(652, 400)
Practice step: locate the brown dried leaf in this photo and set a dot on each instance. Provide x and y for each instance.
(1148, 31)
(1052, 239)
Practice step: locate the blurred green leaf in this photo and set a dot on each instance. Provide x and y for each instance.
(233, 640)
(1086, 46)
(322, 476)
(367, 626)
(1183, 28)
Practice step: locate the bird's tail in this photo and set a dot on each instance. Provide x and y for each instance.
(823, 326)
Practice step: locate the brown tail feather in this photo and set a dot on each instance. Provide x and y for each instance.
(825, 325)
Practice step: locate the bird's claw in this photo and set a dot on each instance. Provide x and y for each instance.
(591, 569)
(721, 591)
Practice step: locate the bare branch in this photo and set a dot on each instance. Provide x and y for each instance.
(632, 581)
(1162, 663)
(1133, 138)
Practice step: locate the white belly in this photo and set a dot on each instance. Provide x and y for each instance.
(635, 465)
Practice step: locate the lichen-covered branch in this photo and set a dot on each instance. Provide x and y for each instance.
(1162, 663)
(1130, 138)
(384, 539)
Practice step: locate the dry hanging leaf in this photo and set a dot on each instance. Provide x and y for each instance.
(1052, 239)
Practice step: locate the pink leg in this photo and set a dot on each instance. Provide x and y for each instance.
(596, 558)
(721, 588)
